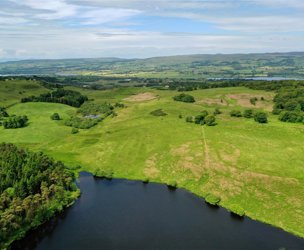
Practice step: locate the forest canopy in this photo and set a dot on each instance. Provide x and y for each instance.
(33, 188)
(68, 97)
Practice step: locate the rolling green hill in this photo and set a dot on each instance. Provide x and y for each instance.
(256, 167)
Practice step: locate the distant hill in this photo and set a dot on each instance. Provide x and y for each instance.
(289, 65)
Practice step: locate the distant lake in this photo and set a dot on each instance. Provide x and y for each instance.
(121, 214)
(258, 78)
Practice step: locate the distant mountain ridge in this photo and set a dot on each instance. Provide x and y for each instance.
(202, 65)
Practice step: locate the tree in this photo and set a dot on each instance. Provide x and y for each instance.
(55, 117)
(253, 100)
(210, 120)
(261, 117)
(248, 113)
(199, 119)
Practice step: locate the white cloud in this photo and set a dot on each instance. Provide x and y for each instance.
(79, 28)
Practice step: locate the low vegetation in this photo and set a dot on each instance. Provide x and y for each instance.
(212, 199)
(184, 98)
(158, 112)
(100, 173)
(82, 122)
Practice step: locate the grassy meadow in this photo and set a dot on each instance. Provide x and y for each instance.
(258, 167)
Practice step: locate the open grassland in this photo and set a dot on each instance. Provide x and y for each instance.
(11, 91)
(258, 167)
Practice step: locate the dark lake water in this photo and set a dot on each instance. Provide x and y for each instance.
(121, 214)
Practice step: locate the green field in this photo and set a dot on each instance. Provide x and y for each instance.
(256, 166)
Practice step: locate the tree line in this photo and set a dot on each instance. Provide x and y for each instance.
(68, 97)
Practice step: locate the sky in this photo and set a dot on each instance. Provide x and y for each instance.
(49, 29)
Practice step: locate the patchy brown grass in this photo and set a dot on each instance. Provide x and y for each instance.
(244, 100)
(213, 101)
(141, 97)
(150, 167)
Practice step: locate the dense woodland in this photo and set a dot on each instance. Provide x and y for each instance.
(33, 188)
(68, 97)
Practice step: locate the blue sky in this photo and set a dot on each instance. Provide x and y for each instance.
(147, 28)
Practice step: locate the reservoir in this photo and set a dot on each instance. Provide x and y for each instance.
(122, 214)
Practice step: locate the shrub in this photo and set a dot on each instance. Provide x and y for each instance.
(82, 123)
(217, 111)
(108, 174)
(74, 131)
(204, 113)
(55, 117)
(235, 113)
(212, 199)
(253, 100)
(184, 98)
(200, 119)
(172, 184)
(146, 180)
(260, 117)
(210, 120)
(237, 210)
(158, 112)
(248, 113)
(3, 112)
(189, 119)
(291, 116)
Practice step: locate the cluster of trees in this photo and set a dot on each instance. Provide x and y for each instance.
(91, 108)
(289, 104)
(68, 97)
(15, 122)
(203, 118)
(260, 117)
(184, 98)
(92, 113)
(33, 188)
(289, 100)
